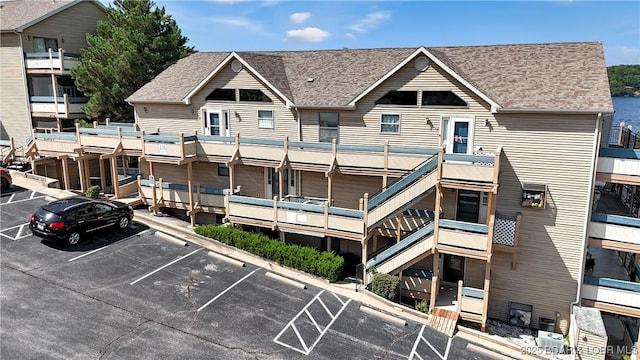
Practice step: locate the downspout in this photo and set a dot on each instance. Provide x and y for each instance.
(594, 161)
(26, 87)
(298, 118)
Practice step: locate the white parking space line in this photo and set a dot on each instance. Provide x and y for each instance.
(19, 234)
(414, 353)
(306, 350)
(88, 253)
(227, 289)
(98, 249)
(11, 198)
(17, 201)
(164, 266)
(33, 193)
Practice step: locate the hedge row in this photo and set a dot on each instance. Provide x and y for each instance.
(323, 264)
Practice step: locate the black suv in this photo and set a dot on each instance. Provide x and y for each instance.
(69, 219)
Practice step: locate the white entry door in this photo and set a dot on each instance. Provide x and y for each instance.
(457, 134)
(216, 122)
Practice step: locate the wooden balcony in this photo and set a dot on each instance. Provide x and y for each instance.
(178, 196)
(470, 168)
(52, 144)
(619, 165)
(472, 303)
(615, 232)
(62, 107)
(50, 62)
(463, 238)
(171, 149)
(615, 295)
(311, 218)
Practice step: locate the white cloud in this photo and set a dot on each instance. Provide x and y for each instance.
(238, 22)
(371, 21)
(270, 3)
(228, 2)
(350, 36)
(299, 18)
(308, 34)
(622, 55)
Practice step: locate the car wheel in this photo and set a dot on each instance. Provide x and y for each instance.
(5, 184)
(73, 238)
(123, 222)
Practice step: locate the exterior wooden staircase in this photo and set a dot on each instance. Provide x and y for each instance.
(443, 320)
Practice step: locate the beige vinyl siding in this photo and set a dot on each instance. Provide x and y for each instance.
(246, 122)
(251, 179)
(362, 126)
(175, 118)
(206, 174)
(71, 24)
(168, 118)
(313, 184)
(15, 116)
(170, 173)
(474, 273)
(349, 189)
(556, 151)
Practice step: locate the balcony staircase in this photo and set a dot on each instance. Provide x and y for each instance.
(414, 247)
(403, 193)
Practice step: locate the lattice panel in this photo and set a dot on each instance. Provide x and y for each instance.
(504, 233)
(484, 153)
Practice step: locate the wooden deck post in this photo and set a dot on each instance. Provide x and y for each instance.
(114, 173)
(485, 298)
(192, 215)
(65, 172)
(82, 174)
(275, 212)
(364, 260)
(434, 288)
(386, 164)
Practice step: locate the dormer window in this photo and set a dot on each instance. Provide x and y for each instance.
(222, 95)
(254, 95)
(399, 97)
(441, 98)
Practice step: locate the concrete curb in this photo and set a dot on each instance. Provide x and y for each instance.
(496, 343)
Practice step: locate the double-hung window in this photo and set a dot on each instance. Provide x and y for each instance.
(223, 170)
(329, 122)
(265, 119)
(390, 123)
(41, 44)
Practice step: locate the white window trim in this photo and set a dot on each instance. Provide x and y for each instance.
(387, 132)
(265, 119)
(452, 119)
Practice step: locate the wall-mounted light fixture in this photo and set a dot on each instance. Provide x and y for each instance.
(193, 111)
(62, 40)
(145, 109)
(429, 122)
(28, 37)
(486, 122)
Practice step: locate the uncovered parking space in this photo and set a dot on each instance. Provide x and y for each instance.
(141, 296)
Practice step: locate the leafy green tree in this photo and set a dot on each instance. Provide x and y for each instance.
(624, 80)
(136, 42)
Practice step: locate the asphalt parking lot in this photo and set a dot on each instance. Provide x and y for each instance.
(133, 295)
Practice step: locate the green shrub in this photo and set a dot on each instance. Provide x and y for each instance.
(323, 264)
(384, 285)
(423, 306)
(84, 124)
(93, 191)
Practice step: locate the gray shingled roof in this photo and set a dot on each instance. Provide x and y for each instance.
(18, 13)
(560, 76)
(590, 320)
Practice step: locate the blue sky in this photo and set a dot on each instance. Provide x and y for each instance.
(225, 25)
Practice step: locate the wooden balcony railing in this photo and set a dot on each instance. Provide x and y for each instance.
(622, 293)
(51, 61)
(472, 303)
(323, 220)
(61, 106)
(463, 235)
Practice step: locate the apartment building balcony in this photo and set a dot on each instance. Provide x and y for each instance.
(301, 214)
(464, 238)
(616, 165)
(178, 196)
(615, 222)
(607, 283)
(465, 170)
(61, 107)
(50, 62)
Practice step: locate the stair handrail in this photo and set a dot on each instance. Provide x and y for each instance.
(411, 239)
(408, 178)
